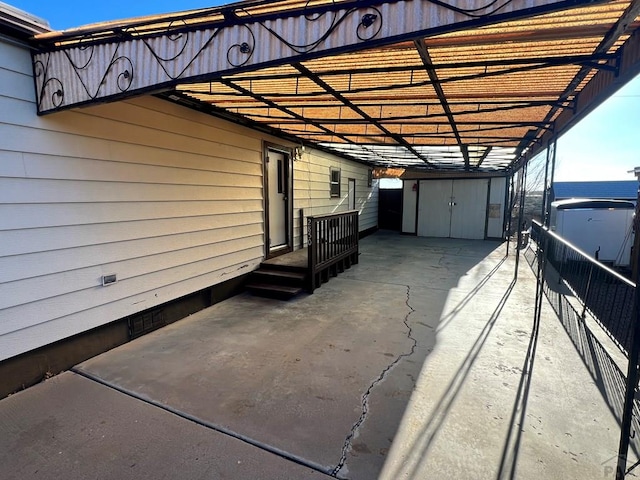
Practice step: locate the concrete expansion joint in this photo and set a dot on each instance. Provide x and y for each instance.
(365, 397)
(204, 423)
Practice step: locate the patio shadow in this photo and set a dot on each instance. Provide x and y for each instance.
(414, 464)
(597, 358)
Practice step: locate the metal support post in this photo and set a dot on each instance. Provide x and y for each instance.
(523, 188)
(632, 367)
(509, 198)
(551, 151)
(545, 187)
(587, 291)
(541, 255)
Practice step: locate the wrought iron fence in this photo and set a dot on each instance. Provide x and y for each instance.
(333, 245)
(606, 294)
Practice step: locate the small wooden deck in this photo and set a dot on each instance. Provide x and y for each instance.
(333, 247)
(295, 259)
(281, 277)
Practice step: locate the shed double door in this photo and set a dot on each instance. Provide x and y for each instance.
(453, 208)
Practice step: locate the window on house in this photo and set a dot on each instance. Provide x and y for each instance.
(370, 177)
(335, 182)
(280, 175)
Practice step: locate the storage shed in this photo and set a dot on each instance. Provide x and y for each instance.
(472, 208)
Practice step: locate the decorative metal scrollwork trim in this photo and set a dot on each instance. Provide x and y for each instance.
(368, 20)
(125, 77)
(475, 12)
(80, 72)
(41, 71)
(174, 37)
(244, 49)
(82, 48)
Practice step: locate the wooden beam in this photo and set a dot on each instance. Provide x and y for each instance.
(484, 156)
(433, 76)
(397, 138)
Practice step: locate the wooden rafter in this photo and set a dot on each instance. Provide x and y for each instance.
(433, 76)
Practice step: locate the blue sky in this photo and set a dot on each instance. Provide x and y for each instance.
(63, 14)
(603, 146)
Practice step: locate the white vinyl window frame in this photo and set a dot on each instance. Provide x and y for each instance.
(334, 182)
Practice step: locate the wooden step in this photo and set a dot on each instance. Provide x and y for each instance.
(281, 292)
(279, 277)
(283, 268)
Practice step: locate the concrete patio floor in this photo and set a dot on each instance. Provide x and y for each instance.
(419, 362)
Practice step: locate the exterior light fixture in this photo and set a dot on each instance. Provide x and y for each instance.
(297, 152)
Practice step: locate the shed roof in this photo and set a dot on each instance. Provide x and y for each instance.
(434, 85)
(619, 190)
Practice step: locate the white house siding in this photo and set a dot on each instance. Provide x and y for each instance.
(167, 198)
(312, 189)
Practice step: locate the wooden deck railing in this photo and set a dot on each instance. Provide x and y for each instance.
(332, 245)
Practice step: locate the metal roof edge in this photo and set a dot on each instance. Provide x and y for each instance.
(19, 23)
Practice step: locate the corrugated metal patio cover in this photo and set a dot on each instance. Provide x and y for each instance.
(438, 85)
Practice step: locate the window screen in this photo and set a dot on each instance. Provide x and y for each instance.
(335, 182)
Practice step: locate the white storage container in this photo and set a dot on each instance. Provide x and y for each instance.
(595, 225)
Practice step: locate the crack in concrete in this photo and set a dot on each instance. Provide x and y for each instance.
(398, 284)
(365, 397)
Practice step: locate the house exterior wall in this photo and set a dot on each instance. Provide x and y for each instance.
(311, 190)
(167, 198)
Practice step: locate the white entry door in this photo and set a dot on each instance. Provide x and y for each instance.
(277, 179)
(452, 208)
